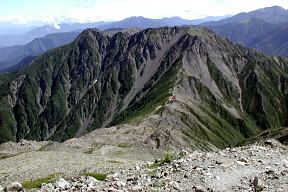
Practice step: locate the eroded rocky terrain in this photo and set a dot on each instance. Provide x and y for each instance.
(259, 167)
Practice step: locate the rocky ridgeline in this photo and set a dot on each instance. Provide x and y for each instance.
(259, 167)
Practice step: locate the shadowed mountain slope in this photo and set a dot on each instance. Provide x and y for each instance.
(257, 33)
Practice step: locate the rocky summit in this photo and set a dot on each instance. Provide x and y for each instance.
(259, 167)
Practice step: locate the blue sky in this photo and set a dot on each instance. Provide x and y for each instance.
(56, 11)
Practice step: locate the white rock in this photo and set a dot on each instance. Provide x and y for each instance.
(174, 185)
(62, 183)
(120, 184)
(241, 163)
(91, 184)
(199, 188)
(15, 186)
(88, 179)
(136, 188)
(112, 189)
(1, 188)
(158, 175)
(114, 176)
(207, 174)
(47, 186)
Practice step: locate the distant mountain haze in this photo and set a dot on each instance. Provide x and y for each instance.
(142, 22)
(22, 39)
(17, 46)
(272, 15)
(257, 29)
(10, 56)
(16, 67)
(264, 29)
(16, 38)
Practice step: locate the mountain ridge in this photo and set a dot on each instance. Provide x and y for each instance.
(131, 22)
(97, 81)
(14, 54)
(257, 33)
(274, 15)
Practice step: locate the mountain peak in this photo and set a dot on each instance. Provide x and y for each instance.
(274, 15)
(135, 18)
(273, 8)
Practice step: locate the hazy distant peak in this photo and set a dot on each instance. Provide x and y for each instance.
(274, 15)
(174, 17)
(273, 8)
(135, 17)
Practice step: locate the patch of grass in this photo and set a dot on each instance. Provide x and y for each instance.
(98, 176)
(44, 147)
(97, 145)
(123, 145)
(159, 184)
(9, 156)
(181, 154)
(127, 132)
(168, 159)
(115, 162)
(38, 182)
(154, 166)
(151, 173)
(89, 152)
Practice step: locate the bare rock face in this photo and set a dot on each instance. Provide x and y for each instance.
(14, 86)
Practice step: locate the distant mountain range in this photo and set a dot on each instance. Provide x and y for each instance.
(264, 29)
(38, 40)
(10, 56)
(22, 39)
(140, 22)
(272, 15)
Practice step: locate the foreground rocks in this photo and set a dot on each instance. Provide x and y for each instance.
(15, 186)
(261, 167)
